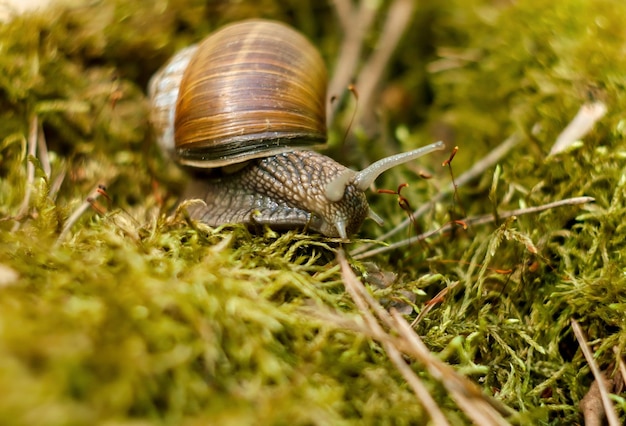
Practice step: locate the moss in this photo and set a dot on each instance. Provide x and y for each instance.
(136, 316)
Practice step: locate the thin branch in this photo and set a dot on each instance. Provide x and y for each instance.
(476, 220)
(609, 410)
(398, 18)
(355, 30)
(344, 11)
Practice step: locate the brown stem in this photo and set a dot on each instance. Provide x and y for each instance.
(475, 220)
(356, 25)
(399, 16)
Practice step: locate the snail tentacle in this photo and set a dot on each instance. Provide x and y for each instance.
(375, 217)
(367, 176)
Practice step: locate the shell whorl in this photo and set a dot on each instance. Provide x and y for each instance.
(251, 89)
(163, 93)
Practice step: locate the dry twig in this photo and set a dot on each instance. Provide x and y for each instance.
(398, 18)
(356, 22)
(480, 408)
(359, 295)
(601, 381)
(476, 220)
(343, 8)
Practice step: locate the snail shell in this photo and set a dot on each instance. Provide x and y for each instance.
(251, 89)
(249, 102)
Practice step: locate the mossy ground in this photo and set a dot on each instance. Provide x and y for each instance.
(134, 316)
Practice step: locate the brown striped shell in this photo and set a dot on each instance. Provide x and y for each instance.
(251, 89)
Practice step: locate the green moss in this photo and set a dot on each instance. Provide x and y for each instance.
(136, 317)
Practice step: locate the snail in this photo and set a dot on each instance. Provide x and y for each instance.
(248, 103)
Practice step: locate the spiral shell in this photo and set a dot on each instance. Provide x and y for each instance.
(249, 90)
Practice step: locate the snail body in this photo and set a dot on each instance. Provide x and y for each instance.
(248, 103)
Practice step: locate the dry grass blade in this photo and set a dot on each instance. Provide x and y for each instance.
(609, 410)
(356, 23)
(30, 169)
(432, 303)
(93, 195)
(343, 9)
(356, 290)
(580, 125)
(476, 220)
(398, 18)
(480, 408)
